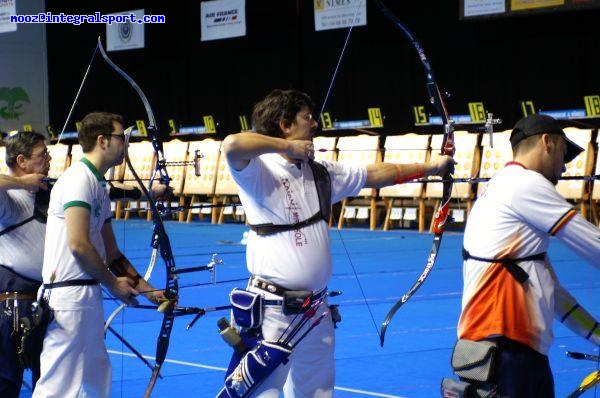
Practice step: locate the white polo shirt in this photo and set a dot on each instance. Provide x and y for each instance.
(21, 249)
(272, 190)
(80, 185)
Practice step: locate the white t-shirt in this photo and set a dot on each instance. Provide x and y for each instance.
(21, 249)
(80, 185)
(272, 190)
(515, 218)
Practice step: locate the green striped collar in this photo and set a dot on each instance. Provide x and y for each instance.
(93, 169)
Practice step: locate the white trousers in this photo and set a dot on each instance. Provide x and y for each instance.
(74, 361)
(310, 372)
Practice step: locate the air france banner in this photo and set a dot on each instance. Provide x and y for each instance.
(335, 14)
(125, 34)
(222, 19)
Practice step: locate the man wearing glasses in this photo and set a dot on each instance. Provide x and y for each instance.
(22, 230)
(287, 198)
(81, 253)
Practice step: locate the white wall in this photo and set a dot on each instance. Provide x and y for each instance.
(23, 66)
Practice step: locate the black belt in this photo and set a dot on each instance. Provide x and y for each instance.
(509, 345)
(73, 282)
(316, 296)
(278, 290)
(268, 286)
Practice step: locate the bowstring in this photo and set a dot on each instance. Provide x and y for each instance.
(340, 58)
(87, 71)
(323, 105)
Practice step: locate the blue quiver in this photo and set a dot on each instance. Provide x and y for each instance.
(253, 369)
(250, 338)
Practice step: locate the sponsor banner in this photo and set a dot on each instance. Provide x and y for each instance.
(222, 19)
(483, 7)
(7, 8)
(127, 35)
(335, 14)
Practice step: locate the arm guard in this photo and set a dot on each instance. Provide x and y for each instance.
(122, 267)
(575, 317)
(116, 193)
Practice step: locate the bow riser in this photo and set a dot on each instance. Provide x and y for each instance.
(441, 215)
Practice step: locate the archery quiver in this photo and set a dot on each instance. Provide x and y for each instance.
(253, 359)
(254, 368)
(473, 362)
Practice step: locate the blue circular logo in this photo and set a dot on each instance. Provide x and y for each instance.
(125, 31)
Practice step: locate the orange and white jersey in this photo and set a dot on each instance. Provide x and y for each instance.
(514, 219)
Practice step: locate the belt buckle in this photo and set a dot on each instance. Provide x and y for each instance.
(269, 287)
(264, 285)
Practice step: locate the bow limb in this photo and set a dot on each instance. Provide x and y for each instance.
(439, 221)
(160, 240)
(441, 215)
(154, 254)
(121, 307)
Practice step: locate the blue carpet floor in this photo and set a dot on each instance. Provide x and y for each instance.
(372, 269)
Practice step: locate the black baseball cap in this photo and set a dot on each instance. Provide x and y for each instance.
(543, 124)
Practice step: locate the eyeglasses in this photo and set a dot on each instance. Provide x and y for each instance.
(307, 116)
(121, 136)
(44, 154)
